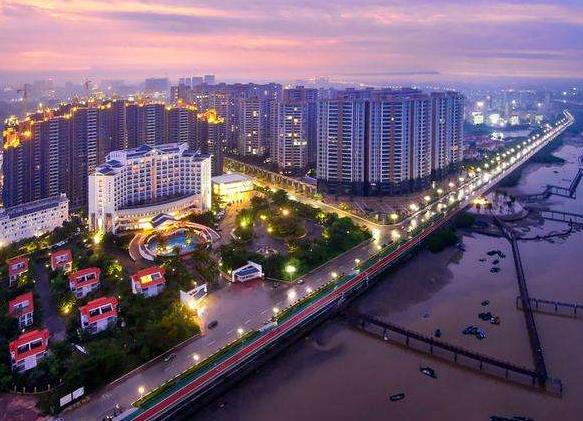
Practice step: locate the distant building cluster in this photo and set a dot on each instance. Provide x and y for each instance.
(123, 160)
(387, 141)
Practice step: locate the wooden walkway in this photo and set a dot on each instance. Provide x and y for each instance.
(557, 308)
(484, 364)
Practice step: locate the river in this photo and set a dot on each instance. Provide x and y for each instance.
(339, 374)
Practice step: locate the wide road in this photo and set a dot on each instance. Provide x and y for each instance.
(249, 306)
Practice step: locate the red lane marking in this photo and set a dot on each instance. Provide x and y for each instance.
(283, 328)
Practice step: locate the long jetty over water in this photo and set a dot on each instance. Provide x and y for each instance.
(535, 344)
(559, 216)
(436, 348)
(557, 308)
(569, 192)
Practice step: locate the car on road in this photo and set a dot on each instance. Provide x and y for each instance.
(169, 357)
(213, 324)
(300, 281)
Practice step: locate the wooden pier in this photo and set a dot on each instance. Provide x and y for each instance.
(436, 348)
(535, 343)
(557, 308)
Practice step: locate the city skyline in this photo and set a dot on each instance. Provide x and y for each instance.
(468, 42)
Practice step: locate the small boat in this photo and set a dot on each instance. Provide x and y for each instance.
(495, 320)
(428, 371)
(437, 333)
(397, 397)
(485, 302)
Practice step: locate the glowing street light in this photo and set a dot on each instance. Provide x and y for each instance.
(290, 270)
(285, 212)
(309, 290)
(275, 310)
(240, 331)
(334, 275)
(196, 357)
(141, 391)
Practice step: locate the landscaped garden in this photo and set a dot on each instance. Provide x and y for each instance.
(302, 236)
(146, 327)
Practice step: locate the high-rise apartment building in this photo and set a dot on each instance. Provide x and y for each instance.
(182, 125)
(209, 79)
(212, 138)
(387, 141)
(181, 93)
(295, 145)
(250, 127)
(155, 121)
(448, 123)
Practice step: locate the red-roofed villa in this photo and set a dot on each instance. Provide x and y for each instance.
(84, 281)
(16, 267)
(28, 349)
(99, 314)
(62, 260)
(149, 282)
(22, 308)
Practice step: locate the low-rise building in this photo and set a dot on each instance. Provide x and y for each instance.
(84, 281)
(193, 298)
(248, 272)
(232, 188)
(17, 266)
(99, 314)
(28, 349)
(149, 282)
(22, 308)
(62, 260)
(32, 219)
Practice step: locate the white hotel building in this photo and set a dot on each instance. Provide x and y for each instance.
(32, 219)
(136, 185)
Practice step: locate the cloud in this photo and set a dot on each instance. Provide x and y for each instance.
(284, 39)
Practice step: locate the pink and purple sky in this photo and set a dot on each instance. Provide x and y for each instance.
(285, 39)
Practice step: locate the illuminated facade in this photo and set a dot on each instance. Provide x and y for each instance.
(295, 146)
(136, 185)
(387, 141)
(233, 188)
(32, 219)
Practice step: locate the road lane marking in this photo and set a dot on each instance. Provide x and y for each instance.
(230, 331)
(248, 321)
(211, 343)
(264, 311)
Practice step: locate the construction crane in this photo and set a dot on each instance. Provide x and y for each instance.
(24, 92)
(87, 84)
